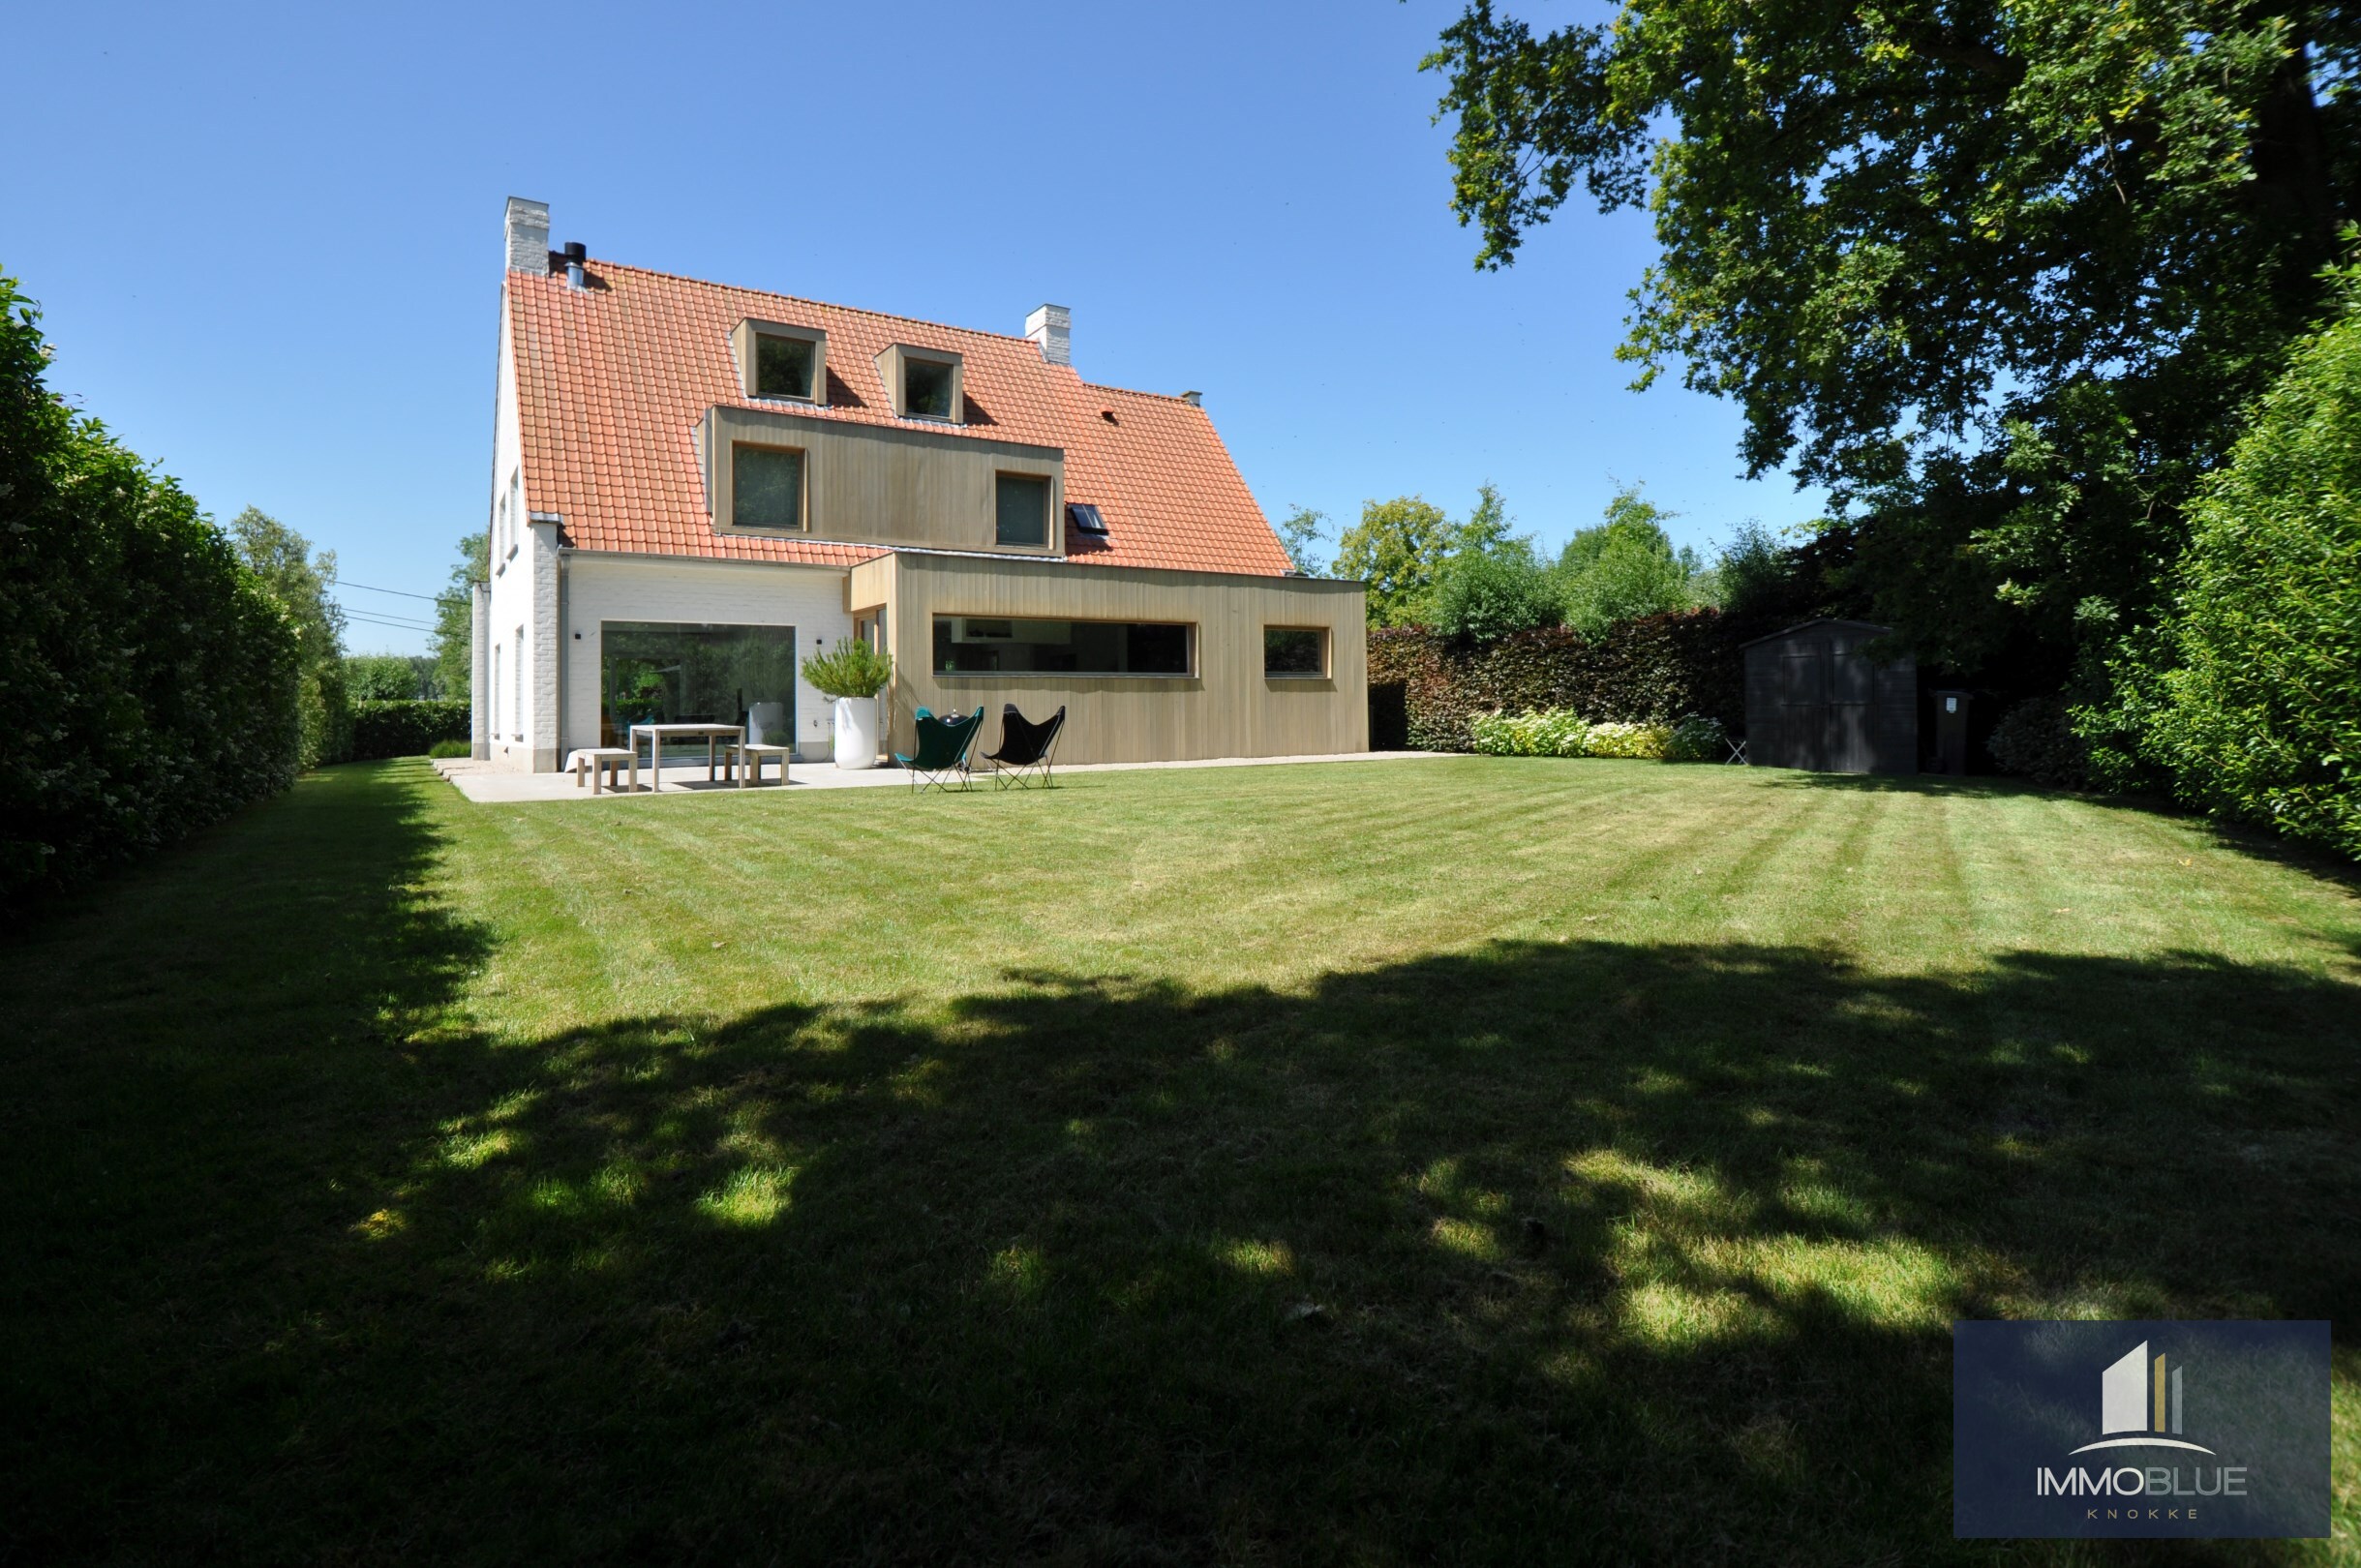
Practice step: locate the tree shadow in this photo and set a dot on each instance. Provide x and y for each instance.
(1582, 1250)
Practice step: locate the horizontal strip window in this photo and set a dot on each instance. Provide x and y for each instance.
(986, 645)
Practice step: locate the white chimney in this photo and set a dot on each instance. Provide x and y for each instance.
(1195, 399)
(1052, 327)
(528, 235)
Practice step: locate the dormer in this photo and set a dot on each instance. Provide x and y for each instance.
(925, 383)
(777, 362)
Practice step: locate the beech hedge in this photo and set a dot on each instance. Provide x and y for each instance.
(147, 678)
(411, 728)
(1657, 668)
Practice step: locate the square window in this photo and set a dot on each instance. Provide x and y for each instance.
(925, 388)
(783, 367)
(1022, 505)
(1300, 652)
(766, 487)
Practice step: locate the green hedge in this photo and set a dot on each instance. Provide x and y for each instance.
(1660, 667)
(2262, 714)
(147, 679)
(405, 729)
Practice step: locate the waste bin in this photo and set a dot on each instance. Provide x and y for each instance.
(1952, 732)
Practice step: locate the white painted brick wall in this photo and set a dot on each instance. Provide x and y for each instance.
(647, 587)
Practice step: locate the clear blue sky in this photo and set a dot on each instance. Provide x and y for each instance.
(267, 241)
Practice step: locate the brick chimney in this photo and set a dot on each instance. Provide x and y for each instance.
(1052, 327)
(528, 235)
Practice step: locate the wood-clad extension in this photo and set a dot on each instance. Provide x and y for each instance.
(1225, 708)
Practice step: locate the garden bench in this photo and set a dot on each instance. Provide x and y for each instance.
(603, 763)
(752, 753)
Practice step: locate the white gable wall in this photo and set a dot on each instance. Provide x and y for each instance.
(603, 588)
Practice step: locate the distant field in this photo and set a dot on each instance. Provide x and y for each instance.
(1472, 1159)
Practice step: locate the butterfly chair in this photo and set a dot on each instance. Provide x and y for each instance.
(1024, 757)
(941, 750)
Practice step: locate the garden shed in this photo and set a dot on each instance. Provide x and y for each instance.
(1815, 699)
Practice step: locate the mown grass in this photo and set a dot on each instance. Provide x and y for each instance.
(1462, 1160)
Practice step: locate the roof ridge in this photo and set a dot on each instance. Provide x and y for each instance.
(806, 300)
(1141, 392)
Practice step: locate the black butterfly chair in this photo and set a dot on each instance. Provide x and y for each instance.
(1024, 750)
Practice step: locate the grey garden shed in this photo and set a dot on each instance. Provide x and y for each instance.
(1815, 699)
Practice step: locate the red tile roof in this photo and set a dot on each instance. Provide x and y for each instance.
(613, 380)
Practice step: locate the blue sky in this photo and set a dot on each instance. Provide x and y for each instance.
(266, 241)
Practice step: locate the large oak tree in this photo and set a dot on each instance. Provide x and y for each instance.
(1999, 273)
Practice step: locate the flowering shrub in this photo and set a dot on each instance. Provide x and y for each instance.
(1561, 731)
(1556, 732)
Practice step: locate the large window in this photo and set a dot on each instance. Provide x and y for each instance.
(664, 672)
(925, 388)
(766, 487)
(1023, 507)
(980, 644)
(1296, 653)
(783, 367)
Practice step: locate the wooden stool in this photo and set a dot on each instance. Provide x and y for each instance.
(753, 752)
(603, 764)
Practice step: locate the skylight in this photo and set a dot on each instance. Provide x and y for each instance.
(1084, 518)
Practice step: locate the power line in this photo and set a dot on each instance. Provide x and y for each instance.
(347, 581)
(397, 626)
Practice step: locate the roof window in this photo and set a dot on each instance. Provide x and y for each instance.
(1085, 519)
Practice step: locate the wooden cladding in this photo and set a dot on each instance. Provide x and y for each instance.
(871, 484)
(1226, 706)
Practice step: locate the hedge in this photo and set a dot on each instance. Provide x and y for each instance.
(147, 678)
(405, 729)
(1659, 668)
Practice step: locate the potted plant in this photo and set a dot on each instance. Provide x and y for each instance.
(853, 673)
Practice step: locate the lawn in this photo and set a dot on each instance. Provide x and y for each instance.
(1472, 1159)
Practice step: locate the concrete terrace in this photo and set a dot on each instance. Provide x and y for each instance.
(491, 783)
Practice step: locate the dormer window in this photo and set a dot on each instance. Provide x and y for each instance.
(925, 383)
(781, 361)
(925, 389)
(766, 487)
(782, 367)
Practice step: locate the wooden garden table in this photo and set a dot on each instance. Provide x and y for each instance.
(712, 733)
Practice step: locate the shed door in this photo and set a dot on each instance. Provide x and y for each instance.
(1852, 691)
(1803, 720)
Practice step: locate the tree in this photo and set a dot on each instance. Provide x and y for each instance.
(1623, 567)
(1300, 533)
(454, 637)
(385, 678)
(300, 581)
(1970, 266)
(1397, 548)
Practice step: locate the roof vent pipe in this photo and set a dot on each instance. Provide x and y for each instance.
(576, 253)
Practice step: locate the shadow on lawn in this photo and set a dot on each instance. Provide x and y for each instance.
(1576, 1250)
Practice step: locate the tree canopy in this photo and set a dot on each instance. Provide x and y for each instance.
(1397, 548)
(1999, 273)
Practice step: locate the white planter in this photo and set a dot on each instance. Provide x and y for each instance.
(856, 732)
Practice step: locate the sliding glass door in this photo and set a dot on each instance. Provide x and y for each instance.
(672, 673)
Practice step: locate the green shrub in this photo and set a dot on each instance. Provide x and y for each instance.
(147, 678)
(2260, 718)
(389, 677)
(849, 669)
(1556, 732)
(407, 729)
(450, 748)
(1561, 731)
(2037, 739)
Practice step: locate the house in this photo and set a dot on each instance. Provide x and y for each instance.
(695, 486)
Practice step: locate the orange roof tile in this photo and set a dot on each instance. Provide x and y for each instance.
(613, 380)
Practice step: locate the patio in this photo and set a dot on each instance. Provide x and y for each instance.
(491, 783)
